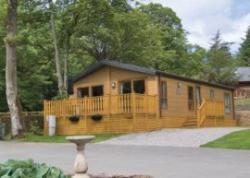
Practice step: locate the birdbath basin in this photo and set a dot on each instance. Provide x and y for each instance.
(80, 139)
(80, 166)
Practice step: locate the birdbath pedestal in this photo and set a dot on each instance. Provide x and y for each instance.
(80, 166)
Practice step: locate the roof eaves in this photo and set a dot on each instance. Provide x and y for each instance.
(195, 80)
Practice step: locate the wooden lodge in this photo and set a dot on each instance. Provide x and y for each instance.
(114, 97)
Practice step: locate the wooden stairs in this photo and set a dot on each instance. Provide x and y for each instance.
(191, 122)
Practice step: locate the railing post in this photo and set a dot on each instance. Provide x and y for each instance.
(45, 108)
(133, 109)
(133, 105)
(198, 117)
(109, 105)
(157, 106)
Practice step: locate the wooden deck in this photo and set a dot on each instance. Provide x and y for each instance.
(105, 105)
(127, 113)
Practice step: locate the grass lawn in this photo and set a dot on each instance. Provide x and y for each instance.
(235, 140)
(61, 139)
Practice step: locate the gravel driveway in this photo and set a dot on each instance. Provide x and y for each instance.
(173, 137)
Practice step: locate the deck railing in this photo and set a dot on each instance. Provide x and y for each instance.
(209, 109)
(242, 101)
(108, 104)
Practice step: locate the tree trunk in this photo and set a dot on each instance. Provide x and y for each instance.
(11, 71)
(57, 54)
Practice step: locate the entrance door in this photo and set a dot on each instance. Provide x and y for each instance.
(198, 96)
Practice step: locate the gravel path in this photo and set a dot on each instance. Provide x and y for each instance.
(173, 137)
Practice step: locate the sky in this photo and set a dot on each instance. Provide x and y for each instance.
(203, 18)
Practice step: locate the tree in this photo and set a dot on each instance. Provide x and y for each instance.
(244, 55)
(219, 64)
(11, 72)
(3, 103)
(173, 55)
(61, 85)
(195, 58)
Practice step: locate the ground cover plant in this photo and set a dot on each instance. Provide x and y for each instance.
(235, 140)
(29, 169)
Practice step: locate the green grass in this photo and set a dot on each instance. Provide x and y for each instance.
(60, 139)
(235, 140)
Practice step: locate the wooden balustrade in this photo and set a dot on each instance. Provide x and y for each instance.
(210, 109)
(108, 104)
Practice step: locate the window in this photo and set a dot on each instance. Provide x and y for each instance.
(190, 98)
(139, 86)
(163, 94)
(83, 92)
(227, 102)
(125, 87)
(211, 94)
(97, 90)
(178, 88)
(198, 95)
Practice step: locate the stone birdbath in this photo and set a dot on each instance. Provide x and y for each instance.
(80, 166)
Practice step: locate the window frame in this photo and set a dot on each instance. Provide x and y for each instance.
(191, 102)
(132, 89)
(93, 86)
(227, 102)
(82, 88)
(163, 95)
(133, 86)
(121, 84)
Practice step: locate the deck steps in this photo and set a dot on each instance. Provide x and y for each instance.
(191, 122)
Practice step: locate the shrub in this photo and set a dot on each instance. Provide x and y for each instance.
(97, 117)
(74, 118)
(28, 169)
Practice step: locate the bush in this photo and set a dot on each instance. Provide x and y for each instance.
(29, 169)
(97, 117)
(74, 118)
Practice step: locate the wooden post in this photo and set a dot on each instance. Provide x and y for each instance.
(109, 105)
(147, 105)
(45, 116)
(85, 112)
(133, 109)
(157, 106)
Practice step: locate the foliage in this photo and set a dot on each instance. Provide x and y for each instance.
(219, 63)
(244, 55)
(235, 140)
(74, 118)
(27, 169)
(35, 128)
(97, 117)
(91, 30)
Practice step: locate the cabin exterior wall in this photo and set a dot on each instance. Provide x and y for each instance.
(177, 99)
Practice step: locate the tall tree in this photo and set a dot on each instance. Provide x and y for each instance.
(244, 55)
(11, 65)
(172, 37)
(219, 64)
(61, 85)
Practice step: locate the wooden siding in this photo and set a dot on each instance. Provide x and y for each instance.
(178, 102)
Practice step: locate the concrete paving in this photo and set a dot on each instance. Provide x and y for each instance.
(173, 137)
(160, 162)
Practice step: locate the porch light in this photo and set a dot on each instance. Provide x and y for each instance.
(113, 84)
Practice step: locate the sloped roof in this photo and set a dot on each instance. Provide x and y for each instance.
(243, 73)
(135, 68)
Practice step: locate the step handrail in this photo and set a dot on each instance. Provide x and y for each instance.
(200, 114)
